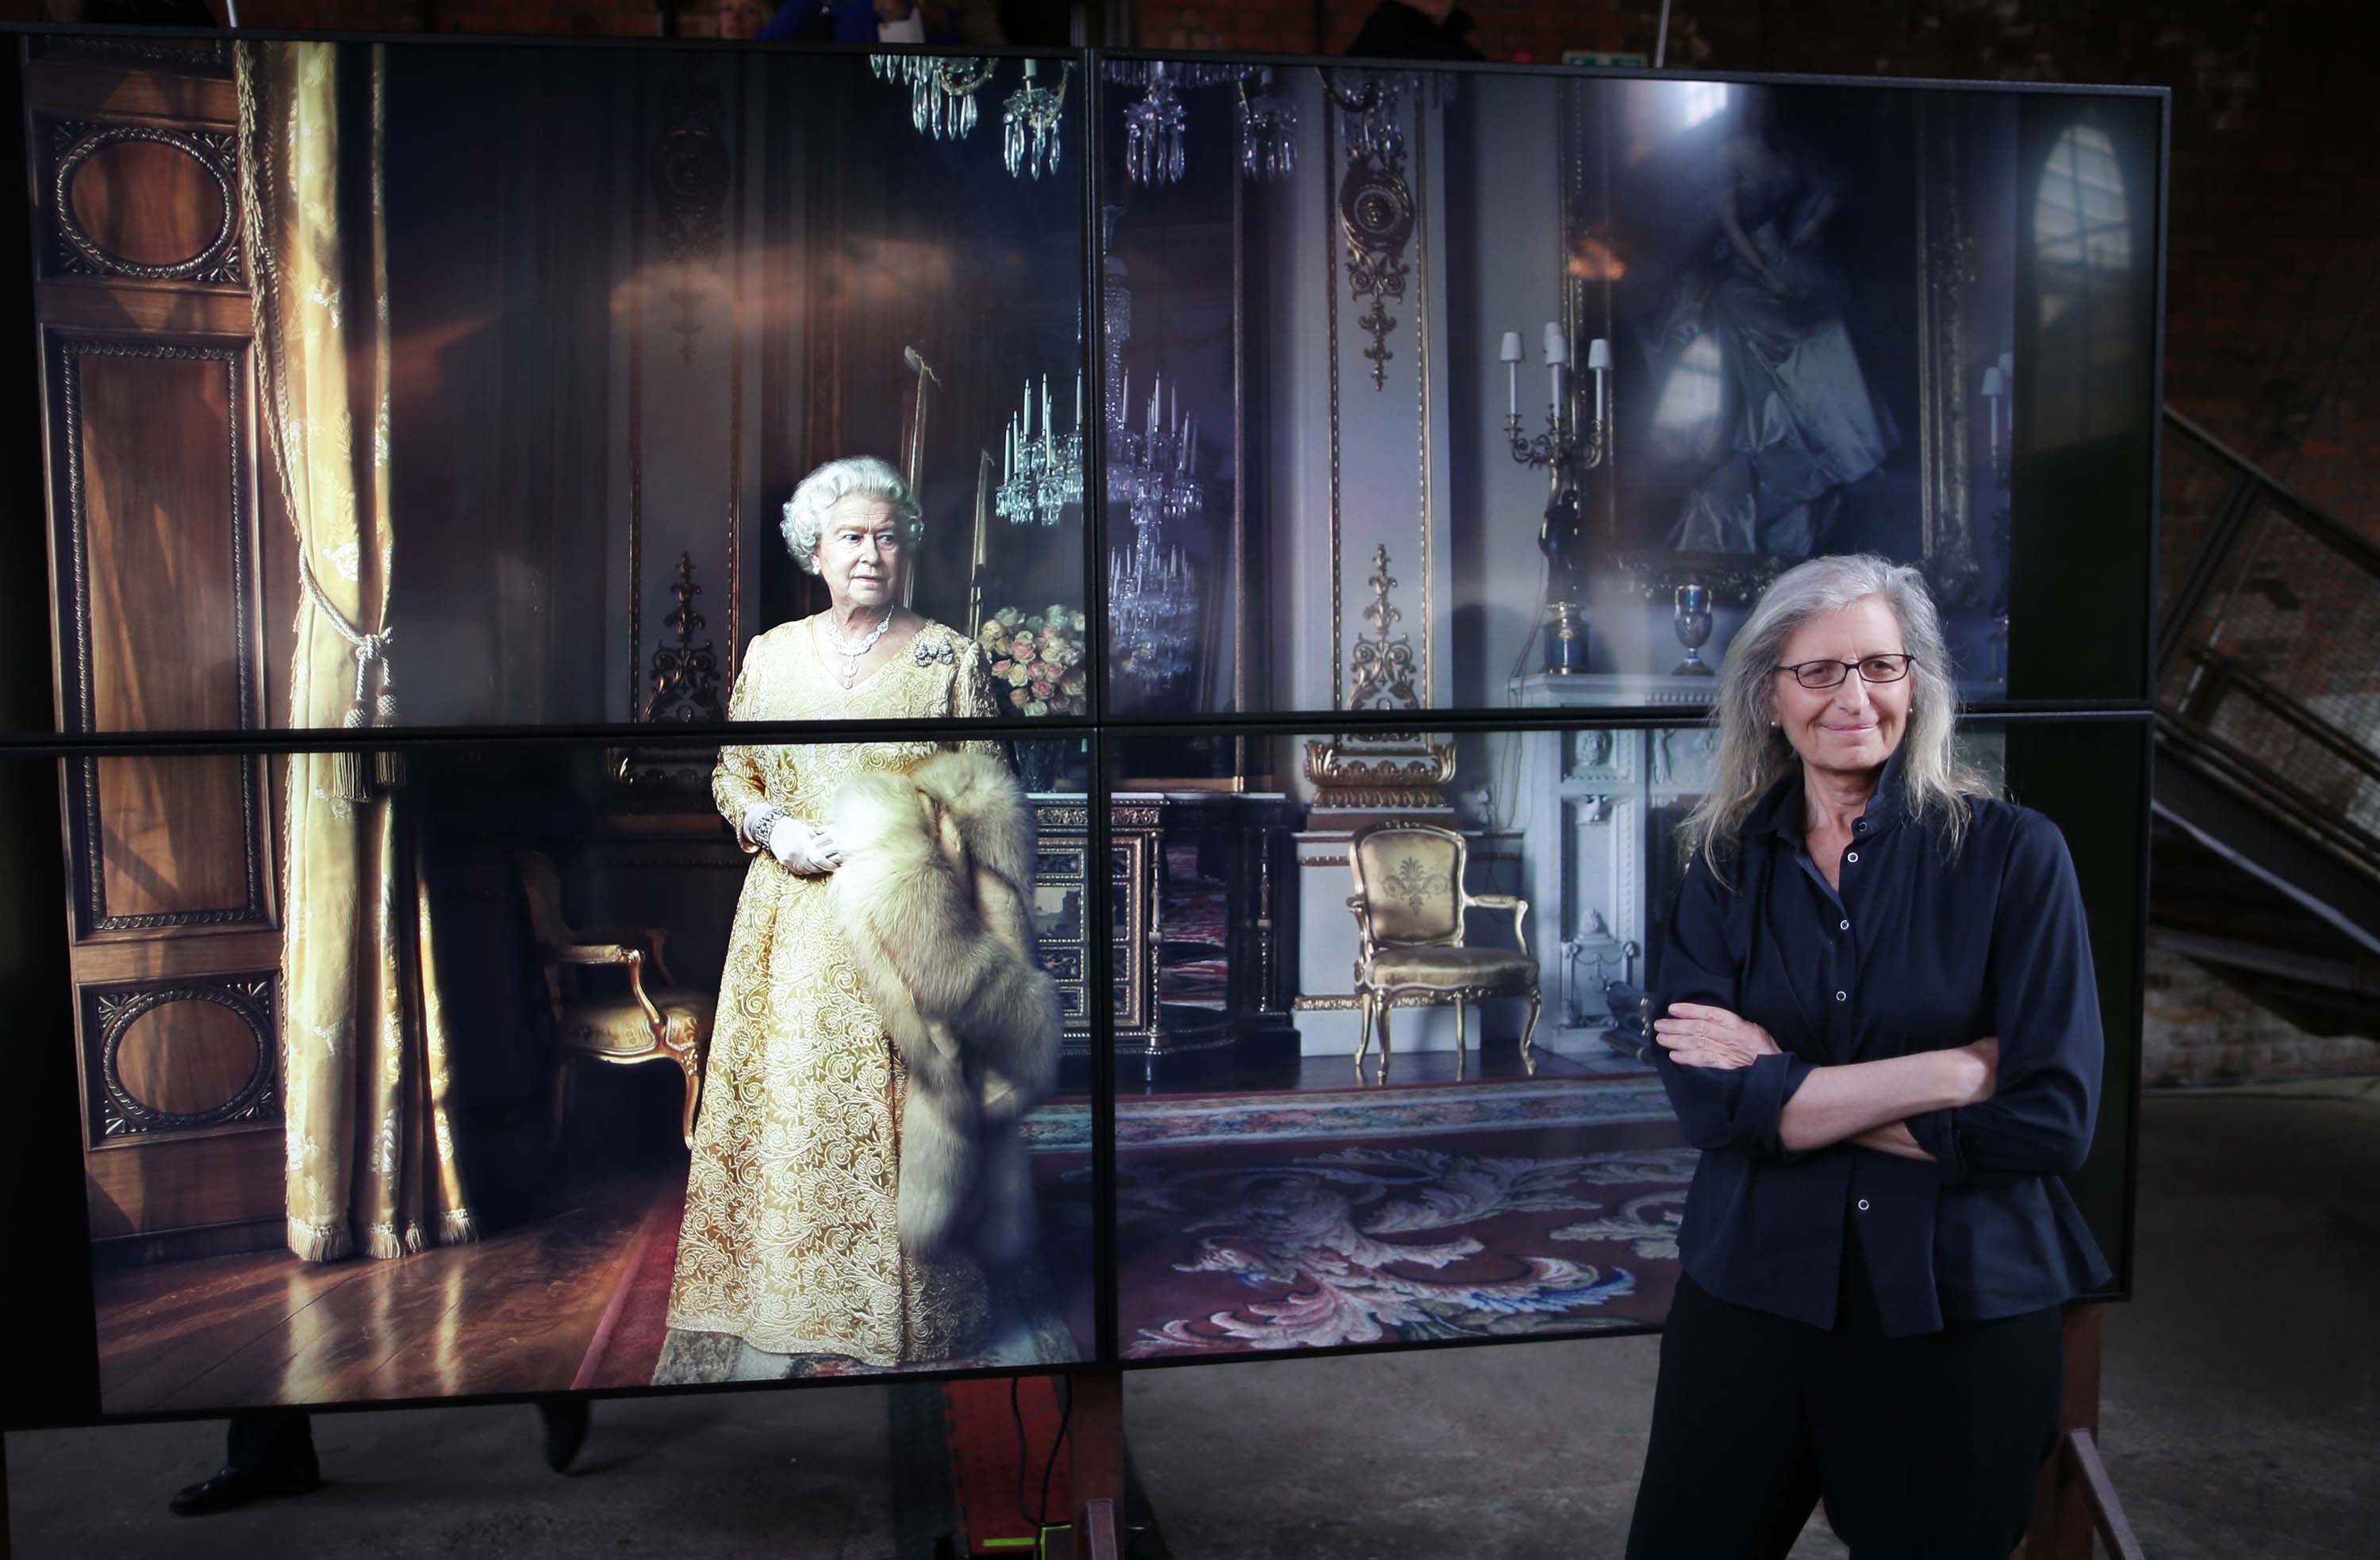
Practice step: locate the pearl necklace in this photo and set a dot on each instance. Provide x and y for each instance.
(851, 652)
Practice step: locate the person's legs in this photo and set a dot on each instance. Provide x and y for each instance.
(280, 1437)
(266, 1452)
(565, 1430)
(1927, 1446)
(1728, 1468)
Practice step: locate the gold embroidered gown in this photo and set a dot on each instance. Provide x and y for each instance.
(789, 1240)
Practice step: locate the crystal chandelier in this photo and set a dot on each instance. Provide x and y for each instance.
(1152, 609)
(1155, 126)
(1041, 474)
(1267, 136)
(1152, 133)
(941, 91)
(1029, 122)
(1152, 476)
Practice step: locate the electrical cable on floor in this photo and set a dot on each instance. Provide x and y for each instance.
(1065, 1421)
(1040, 1524)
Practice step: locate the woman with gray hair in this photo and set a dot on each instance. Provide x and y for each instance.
(1882, 1030)
(791, 1244)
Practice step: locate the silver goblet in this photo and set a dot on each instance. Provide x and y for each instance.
(1691, 618)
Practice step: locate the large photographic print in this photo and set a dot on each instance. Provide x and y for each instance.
(1389, 1077)
(504, 374)
(1543, 354)
(1807, 282)
(588, 1092)
(605, 835)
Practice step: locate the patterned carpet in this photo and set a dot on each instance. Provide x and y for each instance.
(1283, 1221)
(1387, 1216)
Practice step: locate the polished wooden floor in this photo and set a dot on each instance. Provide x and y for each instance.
(512, 1313)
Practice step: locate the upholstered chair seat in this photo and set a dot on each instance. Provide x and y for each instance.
(1411, 906)
(662, 1023)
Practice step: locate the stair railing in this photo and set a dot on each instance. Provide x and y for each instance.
(2268, 644)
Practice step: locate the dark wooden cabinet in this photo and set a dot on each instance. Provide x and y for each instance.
(1200, 914)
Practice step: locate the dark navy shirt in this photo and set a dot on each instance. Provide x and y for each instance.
(1916, 951)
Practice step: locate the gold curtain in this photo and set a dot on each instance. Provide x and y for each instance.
(364, 1047)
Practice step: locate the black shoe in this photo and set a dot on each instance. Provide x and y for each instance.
(237, 1486)
(566, 1432)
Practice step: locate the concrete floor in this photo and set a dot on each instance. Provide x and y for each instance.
(2241, 1415)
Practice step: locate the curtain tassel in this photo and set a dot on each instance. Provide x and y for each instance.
(320, 1242)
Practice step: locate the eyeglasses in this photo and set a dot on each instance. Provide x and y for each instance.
(1831, 673)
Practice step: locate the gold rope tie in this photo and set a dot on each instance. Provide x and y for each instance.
(370, 650)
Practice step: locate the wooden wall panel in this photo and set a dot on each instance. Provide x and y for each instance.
(170, 849)
(149, 396)
(186, 1183)
(151, 481)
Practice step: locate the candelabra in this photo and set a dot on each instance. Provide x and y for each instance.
(1041, 474)
(1152, 595)
(1152, 476)
(1566, 453)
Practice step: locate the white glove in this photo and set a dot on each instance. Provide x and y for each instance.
(801, 847)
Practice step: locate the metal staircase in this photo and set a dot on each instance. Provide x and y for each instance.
(2267, 855)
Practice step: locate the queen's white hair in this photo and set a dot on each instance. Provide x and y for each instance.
(806, 512)
(1754, 753)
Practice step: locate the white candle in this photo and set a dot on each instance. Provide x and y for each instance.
(1048, 426)
(1598, 359)
(1079, 400)
(1557, 352)
(1511, 355)
(1008, 451)
(1026, 432)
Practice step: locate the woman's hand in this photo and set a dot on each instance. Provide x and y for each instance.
(1696, 1035)
(802, 847)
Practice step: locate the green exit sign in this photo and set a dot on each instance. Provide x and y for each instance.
(1616, 62)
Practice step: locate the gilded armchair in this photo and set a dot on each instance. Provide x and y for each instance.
(663, 1024)
(1410, 906)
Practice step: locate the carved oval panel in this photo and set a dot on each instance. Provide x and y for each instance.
(196, 1054)
(186, 1059)
(146, 201)
(147, 204)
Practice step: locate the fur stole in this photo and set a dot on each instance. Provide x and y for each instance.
(934, 899)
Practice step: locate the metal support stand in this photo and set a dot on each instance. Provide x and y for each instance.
(1097, 1429)
(2073, 1497)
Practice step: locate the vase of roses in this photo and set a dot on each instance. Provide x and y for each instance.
(1037, 666)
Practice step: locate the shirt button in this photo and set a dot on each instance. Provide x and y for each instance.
(1847, 926)
(1841, 997)
(1860, 827)
(1854, 856)
(1863, 1204)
